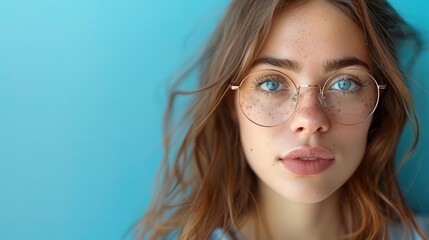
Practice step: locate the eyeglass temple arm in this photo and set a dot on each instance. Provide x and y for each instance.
(234, 87)
(381, 86)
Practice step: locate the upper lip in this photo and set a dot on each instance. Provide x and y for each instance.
(308, 152)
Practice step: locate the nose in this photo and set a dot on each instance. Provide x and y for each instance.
(309, 116)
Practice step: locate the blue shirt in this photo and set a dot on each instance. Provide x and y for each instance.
(396, 232)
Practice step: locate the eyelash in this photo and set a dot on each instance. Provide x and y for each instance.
(259, 81)
(353, 78)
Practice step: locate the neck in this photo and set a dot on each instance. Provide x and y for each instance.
(280, 218)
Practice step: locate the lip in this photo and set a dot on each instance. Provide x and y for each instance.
(307, 160)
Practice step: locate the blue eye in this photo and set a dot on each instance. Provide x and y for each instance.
(271, 85)
(345, 84)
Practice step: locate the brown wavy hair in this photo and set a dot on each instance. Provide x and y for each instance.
(205, 183)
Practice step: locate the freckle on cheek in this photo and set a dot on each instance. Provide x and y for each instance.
(251, 149)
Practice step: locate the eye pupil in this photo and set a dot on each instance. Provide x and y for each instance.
(272, 85)
(344, 84)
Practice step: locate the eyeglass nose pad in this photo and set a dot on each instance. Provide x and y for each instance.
(295, 97)
(322, 99)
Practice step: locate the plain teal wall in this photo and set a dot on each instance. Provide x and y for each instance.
(82, 92)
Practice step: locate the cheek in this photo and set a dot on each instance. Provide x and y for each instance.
(252, 137)
(350, 149)
(352, 140)
(257, 142)
(248, 131)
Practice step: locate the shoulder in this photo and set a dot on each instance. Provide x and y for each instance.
(396, 232)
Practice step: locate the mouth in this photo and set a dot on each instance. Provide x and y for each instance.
(307, 161)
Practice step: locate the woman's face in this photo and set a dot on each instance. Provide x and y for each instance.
(309, 157)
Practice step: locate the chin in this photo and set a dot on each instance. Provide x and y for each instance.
(310, 196)
(309, 199)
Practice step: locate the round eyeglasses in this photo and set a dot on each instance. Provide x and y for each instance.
(269, 97)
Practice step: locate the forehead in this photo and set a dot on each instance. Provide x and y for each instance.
(313, 33)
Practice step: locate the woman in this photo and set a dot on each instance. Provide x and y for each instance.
(293, 132)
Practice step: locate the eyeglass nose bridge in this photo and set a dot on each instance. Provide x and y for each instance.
(320, 93)
(309, 86)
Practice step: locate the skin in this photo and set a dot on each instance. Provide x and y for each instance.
(294, 206)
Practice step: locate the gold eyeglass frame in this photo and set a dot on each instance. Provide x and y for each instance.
(320, 94)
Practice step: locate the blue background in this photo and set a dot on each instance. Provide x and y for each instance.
(82, 93)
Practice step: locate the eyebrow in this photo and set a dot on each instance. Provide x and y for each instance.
(281, 63)
(335, 64)
(329, 66)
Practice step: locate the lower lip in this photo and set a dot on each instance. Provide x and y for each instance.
(306, 167)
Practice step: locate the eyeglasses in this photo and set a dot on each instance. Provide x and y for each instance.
(269, 97)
